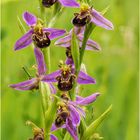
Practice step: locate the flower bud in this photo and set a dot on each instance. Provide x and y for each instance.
(41, 40)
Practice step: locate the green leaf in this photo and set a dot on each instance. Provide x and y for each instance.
(42, 9)
(92, 127)
(57, 8)
(46, 53)
(88, 30)
(45, 95)
(75, 51)
(82, 127)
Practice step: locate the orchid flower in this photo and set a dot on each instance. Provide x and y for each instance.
(65, 3)
(34, 82)
(37, 33)
(70, 113)
(66, 40)
(65, 78)
(89, 14)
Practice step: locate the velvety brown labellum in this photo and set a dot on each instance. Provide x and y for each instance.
(39, 137)
(48, 3)
(59, 121)
(64, 115)
(81, 19)
(61, 118)
(65, 84)
(41, 40)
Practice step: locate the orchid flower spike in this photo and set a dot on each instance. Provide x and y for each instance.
(65, 3)
(89, 14)
(37, 34)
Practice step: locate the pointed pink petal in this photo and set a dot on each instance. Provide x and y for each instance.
(71, 129)
(53, 128)
(83, 78)
(69, 3)
(69, 61)
(75, 117)
(79, 110)
(24, 41)
(26, 85)
(88, 100)
(53, 137)
(64, 42)
(99, 20)
(51, 77)
(29, 18)
(40, 61)
(79, 98)
(91, 45)
(54, 33)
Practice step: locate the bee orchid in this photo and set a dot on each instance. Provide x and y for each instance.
(37, 34)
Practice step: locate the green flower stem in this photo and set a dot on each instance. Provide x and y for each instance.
(82, 127)
(46, 103)
(42, 10)
(49, 117)
(89, 28)
(57, 7)
(45, 92)
(72, 92)
(75, 56)
(46, 53)
(44, 96)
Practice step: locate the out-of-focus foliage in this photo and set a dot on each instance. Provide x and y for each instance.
(115, 69)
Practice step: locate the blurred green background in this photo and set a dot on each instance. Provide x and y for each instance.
(115, 69)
